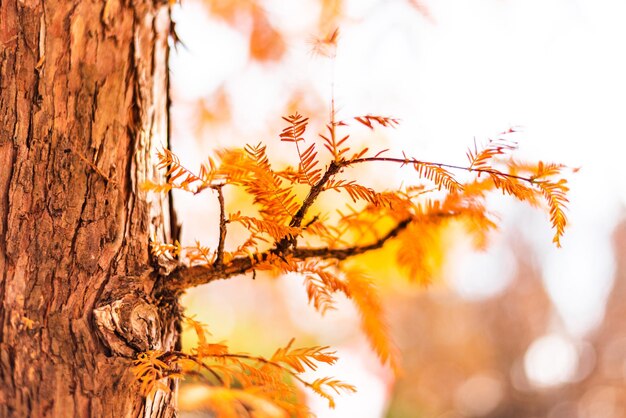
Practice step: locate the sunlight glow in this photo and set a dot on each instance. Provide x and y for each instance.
(551, 360)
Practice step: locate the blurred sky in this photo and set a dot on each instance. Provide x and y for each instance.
(465, 71)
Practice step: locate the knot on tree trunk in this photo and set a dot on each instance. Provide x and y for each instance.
(129, 325)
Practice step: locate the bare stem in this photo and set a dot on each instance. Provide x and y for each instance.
(296, 220)
(179, 354)
(332, 169)
(441, 165)
(167, 357)
(219, 259)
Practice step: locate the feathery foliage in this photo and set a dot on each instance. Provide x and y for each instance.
(283, 224)
(240, 379)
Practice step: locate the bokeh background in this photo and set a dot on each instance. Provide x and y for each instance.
(520, 330)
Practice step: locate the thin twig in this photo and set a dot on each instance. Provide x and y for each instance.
(219, 259)
(440, 165)
(179, 354)
(315, 191)
(311, 222)
(332, 169)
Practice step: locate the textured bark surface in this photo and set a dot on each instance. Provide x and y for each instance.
(83, 105)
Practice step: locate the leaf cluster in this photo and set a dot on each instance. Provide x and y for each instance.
(240, 381)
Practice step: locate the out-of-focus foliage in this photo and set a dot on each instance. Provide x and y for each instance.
(475, 361)
(266, 42)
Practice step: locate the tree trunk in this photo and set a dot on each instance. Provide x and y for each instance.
(83, 106)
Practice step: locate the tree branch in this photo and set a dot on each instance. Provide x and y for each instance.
(188, 277)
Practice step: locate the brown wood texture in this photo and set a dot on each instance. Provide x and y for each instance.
(83, 106)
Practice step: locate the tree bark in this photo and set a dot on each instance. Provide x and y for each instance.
(83, 106)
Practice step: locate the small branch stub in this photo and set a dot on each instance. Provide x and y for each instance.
(129, 325)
